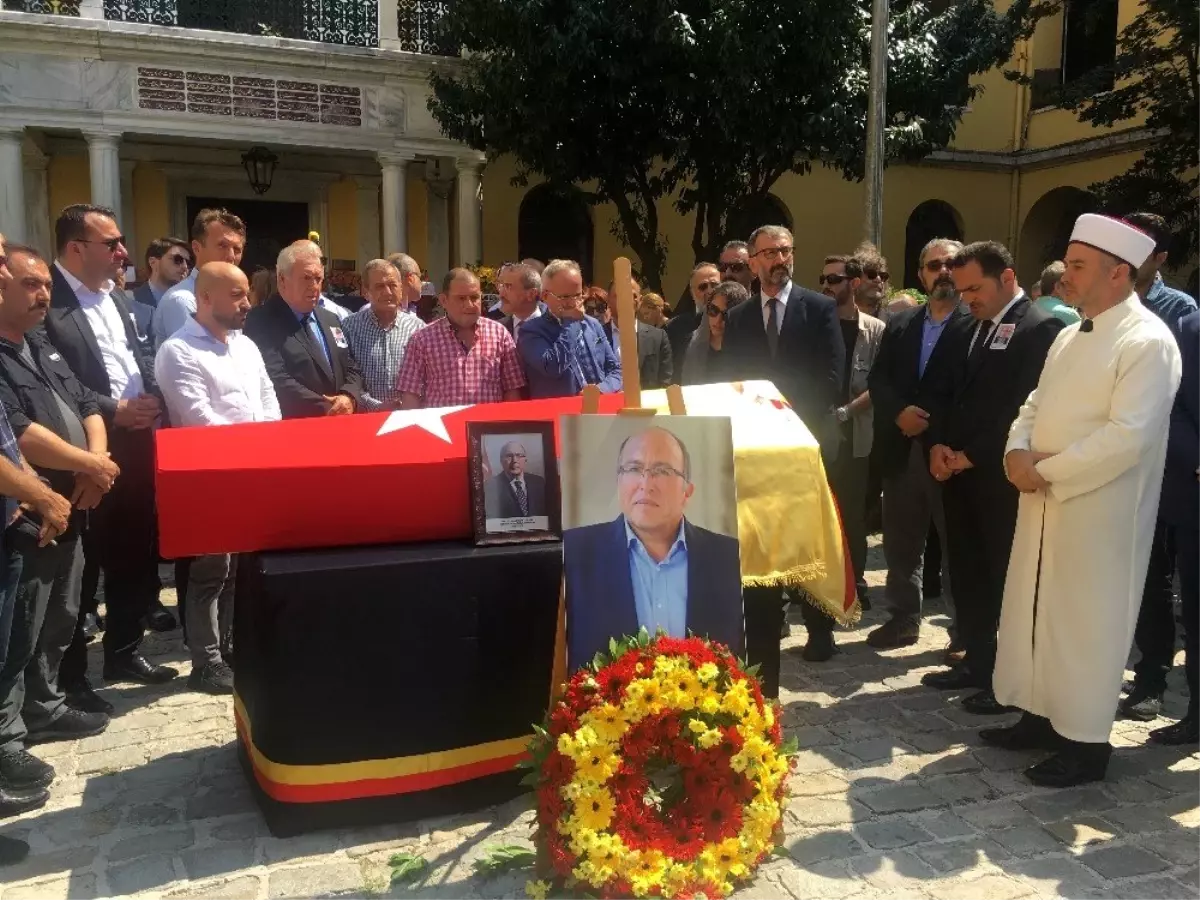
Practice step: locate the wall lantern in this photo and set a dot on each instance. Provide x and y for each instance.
(260, 166)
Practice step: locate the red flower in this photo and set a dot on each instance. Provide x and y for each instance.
(561, 859)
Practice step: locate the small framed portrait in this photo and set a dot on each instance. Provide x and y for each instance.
(514, 482)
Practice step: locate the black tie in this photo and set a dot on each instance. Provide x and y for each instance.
(985, 328)
(522, 497)
(773, 325)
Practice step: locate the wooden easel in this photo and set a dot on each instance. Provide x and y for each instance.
(631, 390)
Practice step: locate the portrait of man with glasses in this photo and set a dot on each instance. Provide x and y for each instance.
(515, 497)
(653, 566)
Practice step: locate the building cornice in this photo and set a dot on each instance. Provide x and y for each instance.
(1042, 157)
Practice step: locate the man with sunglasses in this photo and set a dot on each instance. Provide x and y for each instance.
(684, 323)
(217, 236)
(734, 265)
(168, 261)
(873, 277)
(93, 328)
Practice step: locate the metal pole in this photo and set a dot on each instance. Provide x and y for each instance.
(876, 117)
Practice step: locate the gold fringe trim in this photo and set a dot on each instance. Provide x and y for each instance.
(792, 578)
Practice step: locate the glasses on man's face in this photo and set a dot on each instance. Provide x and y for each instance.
(736, 268)
(705, 286)
(656, 472)
(936, 265)
(113, 244)
(179, 259)
(595, 309)
(775, 253)
(567, 298)
(514, 456)
(715, 311)
(832, 280)
(877, 274)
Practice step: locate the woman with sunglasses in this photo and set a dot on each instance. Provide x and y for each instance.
(704, 362)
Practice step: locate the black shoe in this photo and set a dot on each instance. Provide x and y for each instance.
(215, 678)
(69, 726)
(820, 647)
(1184, 732)
(22, 770)
(955, 679)
(894, 633)
(864, 601)
(985, 704)
(1030, 733)
(12, 851)
(135, 667)
(1071, 766)
(90, 627)
(159, 618)
(14, 801)
(1142, 705)
(80, 696)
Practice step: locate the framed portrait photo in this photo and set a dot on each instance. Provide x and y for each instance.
(514, 482)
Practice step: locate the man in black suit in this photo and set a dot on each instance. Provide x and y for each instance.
(305, 351)
(916, 345)
(93, 328)
(790, 336)
(650, 567)
(689, 313)
(168, 261)
(655, 362)
(520, 289)
(999, 361)
(514, 493)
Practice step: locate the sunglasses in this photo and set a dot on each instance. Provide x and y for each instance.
(832, 280)
(112, 243)
(732, 267)
(714, 311)
(706, 286)
(595, 307)
(882, 275)
(936, 265)
(179, 259)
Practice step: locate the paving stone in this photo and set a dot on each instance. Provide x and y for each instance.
(244, 829)
(812, 736)
(1122, 862)
(901, 798)
(112, 760)
(812, 847)
(957, 762)
(888, 834)
(79, 827)
(1141, 819)
(943, 824)
(1158, 888)
(219, 859)
(1083, 831)
(215, 804)
(1135, 790)
(151, 814)
(1026, 840)
(315, 843)
(1175, 781)
(245, 887)
(145, 874)
(1178, 847)
(817, 783)
(940, 741)
(959, 855)
(961, 788)
(76, 886)
(856, 730)
(827, 880)
(989, 887)
(167, 840)
(898, 874)
(816, 811)
(1000, 814)
(1050, 807)
(874, 749)
(822, 760)
(325, 880)
(1001, 760)
(1054, 875)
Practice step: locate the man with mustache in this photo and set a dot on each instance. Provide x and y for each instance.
(912, 351)
(212, 374)
(61, 432)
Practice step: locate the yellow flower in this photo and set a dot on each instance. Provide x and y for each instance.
(571, 790)
(683, 689)
(710, 739)
(675, 878)
(644, 695)
(709, 702)
(585, 871)
(737, 700)
(599, 765)
(718, 861)
(537, 890)
(769, 716)
(666, 666)
(697, 726)
(708, 672)
(595, 808)
(607, 721)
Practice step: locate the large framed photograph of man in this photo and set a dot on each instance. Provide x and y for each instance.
(514, 482)
(649, 531)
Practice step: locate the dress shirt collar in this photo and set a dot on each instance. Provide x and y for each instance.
(999, 317)
(680, 542)
(782, 296)
(79, 287)
(519, 320)
(375, 319)
(192, 328)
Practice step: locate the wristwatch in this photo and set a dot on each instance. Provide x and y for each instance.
(842, 414)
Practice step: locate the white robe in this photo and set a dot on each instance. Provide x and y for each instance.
(1081, 547)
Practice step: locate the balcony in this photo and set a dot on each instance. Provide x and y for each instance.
(353, 23)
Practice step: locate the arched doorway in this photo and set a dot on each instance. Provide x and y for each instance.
(928, 220)
(765, 210)
(1047, 229)
(555, 224)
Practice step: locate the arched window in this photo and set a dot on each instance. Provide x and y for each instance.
(1047, 229)
(929, 220)
(554, 224)
(767, 210)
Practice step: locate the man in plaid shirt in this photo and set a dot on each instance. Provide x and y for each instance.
(463, 358)
(379, 334)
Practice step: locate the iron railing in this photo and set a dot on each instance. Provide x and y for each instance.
(419, 28)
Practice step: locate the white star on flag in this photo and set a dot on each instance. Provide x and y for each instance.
(429, 419)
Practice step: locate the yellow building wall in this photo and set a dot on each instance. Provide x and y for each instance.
(70, 181)
(342, 240)
(418, 220)
(151, 209)
(1036, 183)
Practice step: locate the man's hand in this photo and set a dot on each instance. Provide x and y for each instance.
(1020, 466)
(137, 414)
(102, 471)
(87, 493)
(55, 510)
(959, 462)
(339, 405)
(912, 421)
(939, 462)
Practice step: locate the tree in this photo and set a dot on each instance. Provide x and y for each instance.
(1154, 74)
(705, 102)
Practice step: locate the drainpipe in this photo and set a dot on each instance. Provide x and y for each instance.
(1023, 95)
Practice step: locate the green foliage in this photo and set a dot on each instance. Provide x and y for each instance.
(1155, 74)
(703, 103)
(406, 867)
(506, 858)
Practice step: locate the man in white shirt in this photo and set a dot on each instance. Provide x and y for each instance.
(212, 374)
(217, 236)
(520, 289)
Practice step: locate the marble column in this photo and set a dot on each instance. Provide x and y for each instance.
(37, 201)
(104, 158)
(12, 185)
(470, 214)
(389, 25)
(394, 167)
(438, 192)
(368, 221)
(128, 224)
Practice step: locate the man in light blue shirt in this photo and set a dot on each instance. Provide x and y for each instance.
(1167, 303)
(217, 236)
(1048, 298)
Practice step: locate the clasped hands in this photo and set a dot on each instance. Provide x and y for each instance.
(1021, 468)
(94, 481)
(944, 462)
(137, 413)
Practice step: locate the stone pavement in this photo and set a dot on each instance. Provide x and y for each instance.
(894, 796)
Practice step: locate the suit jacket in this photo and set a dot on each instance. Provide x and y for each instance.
(68, 330)
(499, 501)
(679, 335)
(300, 371)
(811, 359)
(896, 382)
(656, 364)
(550, 362)
(143, 316)
(507, 321)
(600, 602)
(143, 294)
(978, 396)
(1180, 504)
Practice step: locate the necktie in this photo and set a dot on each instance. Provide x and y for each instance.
(314, 334)
(983, 330)
(773, 325)
(522, 497)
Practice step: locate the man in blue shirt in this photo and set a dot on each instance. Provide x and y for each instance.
(217, 236)
(650, 567)
(1155, 633)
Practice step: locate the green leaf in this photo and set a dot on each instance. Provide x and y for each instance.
(613, 650)
(790, 746)
(780, 850)
(753, 670)
(532, 779)
(507, 858)
(406, 867)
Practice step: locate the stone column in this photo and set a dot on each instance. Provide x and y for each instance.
(438, 193)
(470, 214)
(389, 26)
(37, 201)
(105, 162)
(128, 223)
(12, 185)
(368, 221)
(395, 201)
(91, 9)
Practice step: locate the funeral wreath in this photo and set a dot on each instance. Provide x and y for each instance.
(660, 772)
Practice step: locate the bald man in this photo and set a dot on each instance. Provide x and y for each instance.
(514, 493)
(212, 374)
